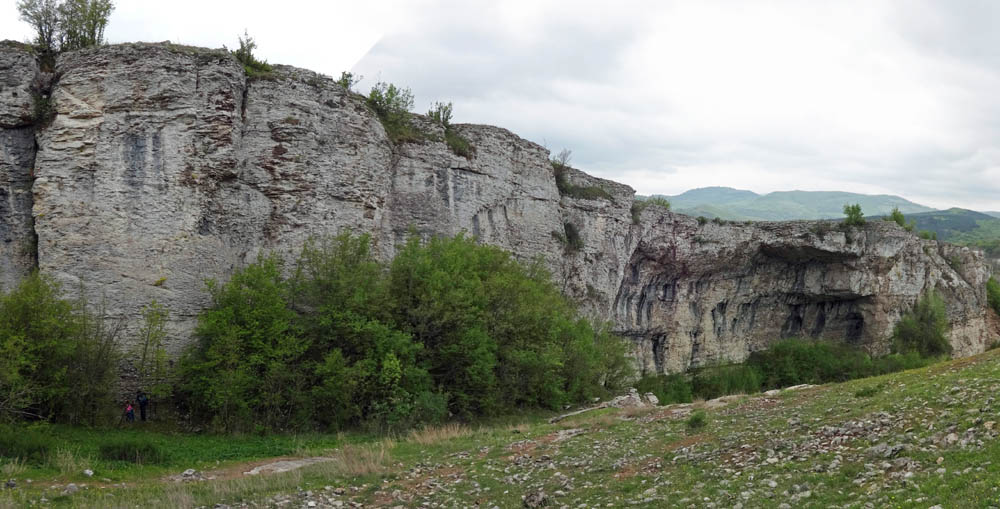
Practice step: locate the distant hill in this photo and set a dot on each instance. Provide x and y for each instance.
(961, 226)
(992, 213)
(738, 204)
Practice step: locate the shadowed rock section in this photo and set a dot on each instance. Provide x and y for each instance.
(164, 166)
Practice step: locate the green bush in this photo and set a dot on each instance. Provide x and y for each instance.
(252, 66)
(560, 167)
(696, 421)
(640, 204)
(58, 360)
(673, 388)
(26, 445)
(927, 235)
(785, 363)
(853, 215)
(392, 105)
(715, 381)
(449, 326)
(993, 294)
(923, 330)
(132, 450)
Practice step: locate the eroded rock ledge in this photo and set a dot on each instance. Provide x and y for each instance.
(163, 165)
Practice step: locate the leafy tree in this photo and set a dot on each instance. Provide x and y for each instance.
(854, 216)
(43, 16)
(83, 22)
(57, 360)
(66, 25)
(345, 341)
(150, 356)
(242, 370)
(924, 328)
(366, 369)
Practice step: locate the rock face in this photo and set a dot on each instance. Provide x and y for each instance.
(697, 293)
(17, 159)
(163, 166)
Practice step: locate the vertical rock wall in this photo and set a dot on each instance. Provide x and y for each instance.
(18, 76)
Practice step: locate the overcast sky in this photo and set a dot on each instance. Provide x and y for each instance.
(875, 97)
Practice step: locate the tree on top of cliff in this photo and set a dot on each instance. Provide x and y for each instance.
(83, 22)
(66, 25)
(854, 216)
(252, 66)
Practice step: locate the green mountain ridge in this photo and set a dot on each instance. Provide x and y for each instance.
(738, 204)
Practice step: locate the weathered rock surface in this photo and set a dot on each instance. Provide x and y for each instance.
(17, 158)
(700, 293)
(164, 166)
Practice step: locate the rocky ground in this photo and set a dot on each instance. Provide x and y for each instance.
(924, 438)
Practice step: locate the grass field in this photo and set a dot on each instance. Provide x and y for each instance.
(917, 438)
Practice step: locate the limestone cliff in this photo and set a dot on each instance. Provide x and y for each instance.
(163, 165)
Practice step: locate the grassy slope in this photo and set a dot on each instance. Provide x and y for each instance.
(806, 448)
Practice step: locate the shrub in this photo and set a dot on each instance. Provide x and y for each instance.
(448, 327)
(993, 294)
(253, 67)
(927, 235)
(869, 391)
(132, 450)
(150, 355)
(696, 421)
(392, 105)
(575, 191)
(715, 381)
(673, 388)
(702, 220)
(24, 444)
(441, 114)
(923, 329)
(348, 80)
(242, 370)
(640, 204)
(853, 215)
(57, 359)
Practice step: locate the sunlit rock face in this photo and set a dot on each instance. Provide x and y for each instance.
(164, 165)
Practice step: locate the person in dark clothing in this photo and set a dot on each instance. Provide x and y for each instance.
(143, 403)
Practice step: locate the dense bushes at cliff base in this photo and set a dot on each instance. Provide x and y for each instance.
(449, 327)
(918, 340)
(58, 358)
